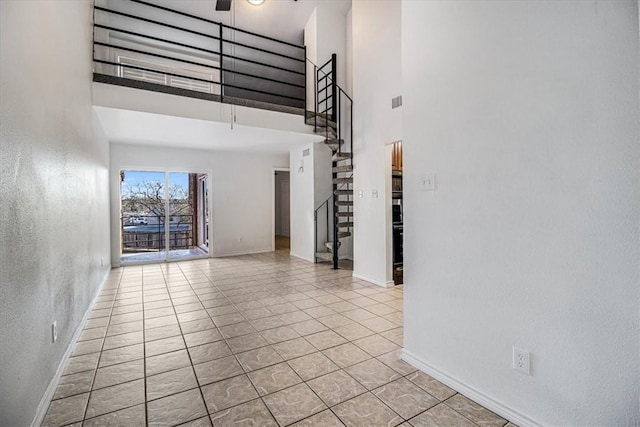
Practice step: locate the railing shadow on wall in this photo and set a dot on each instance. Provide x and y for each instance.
(145, 45)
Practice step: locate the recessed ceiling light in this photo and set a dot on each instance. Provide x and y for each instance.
(256, 2)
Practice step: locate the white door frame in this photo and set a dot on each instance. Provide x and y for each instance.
(203, 203)
(273, 205)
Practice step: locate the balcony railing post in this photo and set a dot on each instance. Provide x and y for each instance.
(334, 87)
(221, 66)
(315, 98)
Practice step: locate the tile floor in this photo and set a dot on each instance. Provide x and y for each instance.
(260, 340)
(174, 254)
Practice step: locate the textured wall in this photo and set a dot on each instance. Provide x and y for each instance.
(528, 114)
(54, 202)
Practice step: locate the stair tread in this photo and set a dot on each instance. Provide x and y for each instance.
(343, 192)
(345, 168)
(345, 214)
(348, 180)
(329, 246)
(342, 234)
(344, 202)
(345, 224)
(341, 156)
(324, 255)
(321, 121)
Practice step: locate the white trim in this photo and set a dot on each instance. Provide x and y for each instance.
(473, 394)
(302, 257)
(388, 284)
(43, 406)
(236, 253)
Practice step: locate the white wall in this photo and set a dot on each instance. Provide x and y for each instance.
(376, 79)
(302, 202)
(54, 195)
(349, 53)
(332, 38)
(241, 192)
(311, 43)
(528, 113)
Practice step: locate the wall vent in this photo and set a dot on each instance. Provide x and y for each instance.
(396, 102)
(305, 152)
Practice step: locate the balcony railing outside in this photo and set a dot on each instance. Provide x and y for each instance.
(146, 233)
(166, 50)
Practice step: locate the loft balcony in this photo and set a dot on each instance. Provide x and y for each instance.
(142, 45)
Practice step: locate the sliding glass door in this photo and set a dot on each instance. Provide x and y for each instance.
(164, 216)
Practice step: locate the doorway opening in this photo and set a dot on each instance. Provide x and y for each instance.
(397, 225)
(164, 216)
(282, 213)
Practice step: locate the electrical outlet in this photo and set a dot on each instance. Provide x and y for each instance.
(521, 361)
(54, 331)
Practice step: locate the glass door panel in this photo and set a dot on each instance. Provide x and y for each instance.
(183, 216)
(142, 216)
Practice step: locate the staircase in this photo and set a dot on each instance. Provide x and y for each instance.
(331, 117)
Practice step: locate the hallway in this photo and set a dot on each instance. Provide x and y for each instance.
(261, 340)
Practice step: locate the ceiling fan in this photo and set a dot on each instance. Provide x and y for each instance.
(225, 5)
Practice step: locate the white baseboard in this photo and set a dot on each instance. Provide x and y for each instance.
(473, 394)
(41, 410)
(237, 253)
(302, 257)
(388, 284)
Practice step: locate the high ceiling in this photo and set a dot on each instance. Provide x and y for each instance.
(282, 19)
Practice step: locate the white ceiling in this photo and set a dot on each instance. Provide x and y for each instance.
(135, 127)
(281, 19)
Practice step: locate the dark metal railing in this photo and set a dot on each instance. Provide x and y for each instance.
(147, 233)
(323, 210)
(159, 47)
(333, 113)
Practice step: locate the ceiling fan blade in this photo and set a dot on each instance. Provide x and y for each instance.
(224, 5)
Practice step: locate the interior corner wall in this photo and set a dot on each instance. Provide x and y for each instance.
(241, 192)
(311, 44)
(332, 38)
(376, 79)
(301, 189)
(349, 53)
(527, 112)
(54, 207)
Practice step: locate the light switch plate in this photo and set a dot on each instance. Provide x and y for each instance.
(360, 194)
(374, 194)
(427, 182)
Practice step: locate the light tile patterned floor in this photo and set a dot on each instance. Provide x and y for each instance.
(262, 340)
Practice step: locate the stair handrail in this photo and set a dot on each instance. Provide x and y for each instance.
(332, 112)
